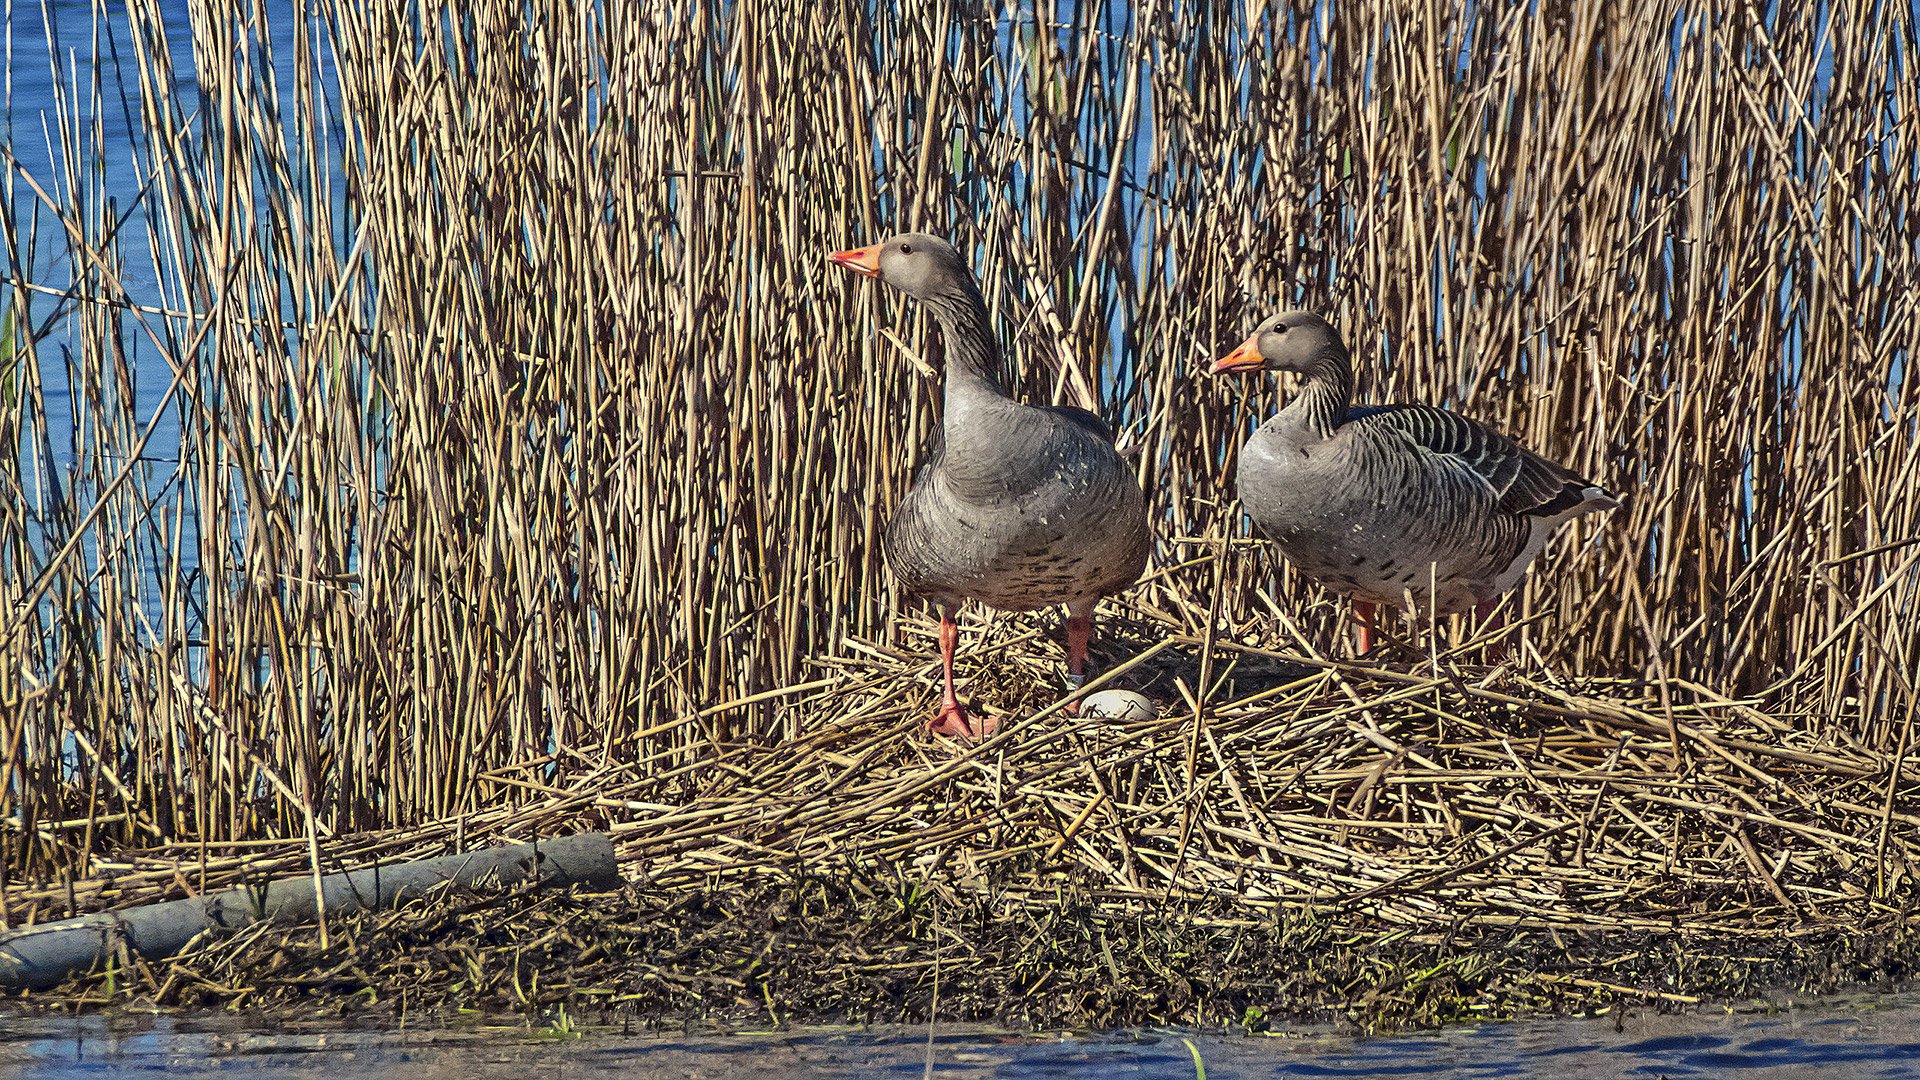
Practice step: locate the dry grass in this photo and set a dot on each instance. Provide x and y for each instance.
(531, 461)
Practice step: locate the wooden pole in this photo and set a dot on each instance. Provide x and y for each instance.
(42, 956)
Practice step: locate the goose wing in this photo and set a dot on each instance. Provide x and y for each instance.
(1521, 481)
(1083, 418)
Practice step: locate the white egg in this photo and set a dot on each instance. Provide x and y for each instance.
(1118, 705)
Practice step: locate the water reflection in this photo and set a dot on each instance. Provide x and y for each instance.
(1869, 1037)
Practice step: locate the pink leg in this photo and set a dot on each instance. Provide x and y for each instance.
(953, 720)
(1079, 630)
(1363, 624)
(1481, 613)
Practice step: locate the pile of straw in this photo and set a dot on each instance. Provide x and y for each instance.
(1415, 794)
(1322, 838)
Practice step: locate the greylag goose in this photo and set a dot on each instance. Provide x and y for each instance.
(1392, 504)
(1016, 506)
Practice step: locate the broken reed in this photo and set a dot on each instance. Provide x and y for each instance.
(520, 415)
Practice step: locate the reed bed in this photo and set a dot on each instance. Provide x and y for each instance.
(1329, 839)
(520, 464)
(1381, 796)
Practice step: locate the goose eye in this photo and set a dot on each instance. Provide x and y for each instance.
(906, 249)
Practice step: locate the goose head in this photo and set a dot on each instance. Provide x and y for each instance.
(1296, 341)
(915, 263)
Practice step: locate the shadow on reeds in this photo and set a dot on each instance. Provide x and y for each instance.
(1169, 675)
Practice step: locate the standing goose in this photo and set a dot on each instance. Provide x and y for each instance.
(1392, 503)
(1016, 506)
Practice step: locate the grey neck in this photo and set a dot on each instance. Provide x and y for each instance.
(974, 364)
(1321, 406)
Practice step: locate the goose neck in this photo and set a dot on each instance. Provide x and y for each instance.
(1323, 403)
(973, 360)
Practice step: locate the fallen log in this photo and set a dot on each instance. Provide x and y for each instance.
(41, 956)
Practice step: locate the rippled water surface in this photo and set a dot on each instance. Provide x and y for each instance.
(1864, 1038)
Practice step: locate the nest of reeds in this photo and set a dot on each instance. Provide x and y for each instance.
(1282, 811)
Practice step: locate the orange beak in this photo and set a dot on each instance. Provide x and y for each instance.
(864, 260)
(1244, 358)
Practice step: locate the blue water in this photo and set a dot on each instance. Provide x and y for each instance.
(50, 50)
(1873, 1038)
(64, 160)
